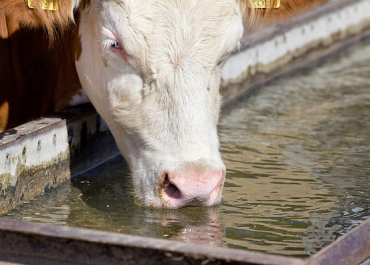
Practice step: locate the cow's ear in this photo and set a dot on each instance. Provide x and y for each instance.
(269, 11)
(52, 15)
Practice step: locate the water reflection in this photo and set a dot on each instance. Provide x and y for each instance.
(298, 159)
(106, 202)
(195, 225)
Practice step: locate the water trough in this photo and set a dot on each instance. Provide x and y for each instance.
(38, 156)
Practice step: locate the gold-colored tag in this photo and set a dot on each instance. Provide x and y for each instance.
(264, 4)
(45, 4)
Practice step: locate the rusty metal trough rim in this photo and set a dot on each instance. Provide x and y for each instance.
(132, 241)
(338, 253)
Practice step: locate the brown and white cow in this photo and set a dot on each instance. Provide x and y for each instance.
(152, 70)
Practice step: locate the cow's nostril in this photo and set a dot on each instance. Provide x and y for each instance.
(170, 189)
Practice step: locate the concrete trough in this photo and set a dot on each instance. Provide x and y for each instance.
(302, 43)
(38, 156)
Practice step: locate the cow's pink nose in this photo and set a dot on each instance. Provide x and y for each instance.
(180, 189)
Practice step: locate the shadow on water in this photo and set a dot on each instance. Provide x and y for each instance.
(298, 160)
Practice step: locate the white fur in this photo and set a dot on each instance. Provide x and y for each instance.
(162, 105)
(76, 4)
(79, 98)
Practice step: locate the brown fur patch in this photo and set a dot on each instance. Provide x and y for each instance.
(4, 113)
(52, 21)
(287, 9)
(36, 78)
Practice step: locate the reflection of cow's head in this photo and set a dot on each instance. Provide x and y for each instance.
(152, 70)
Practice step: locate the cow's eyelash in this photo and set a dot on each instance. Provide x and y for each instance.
(114, 48)
(112, 44)
(115, 45)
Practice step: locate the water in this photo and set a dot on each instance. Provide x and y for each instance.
(298, 159)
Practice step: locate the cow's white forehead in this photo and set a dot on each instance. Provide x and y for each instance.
(175, 30)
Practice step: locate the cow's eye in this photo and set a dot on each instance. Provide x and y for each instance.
(112, 44)
(115, 48)
(115, 45)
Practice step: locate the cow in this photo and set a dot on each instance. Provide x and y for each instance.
(152, 70)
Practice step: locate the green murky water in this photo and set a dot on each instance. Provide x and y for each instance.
(298, 159)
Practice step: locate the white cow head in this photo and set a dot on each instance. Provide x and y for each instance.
(152, 70)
